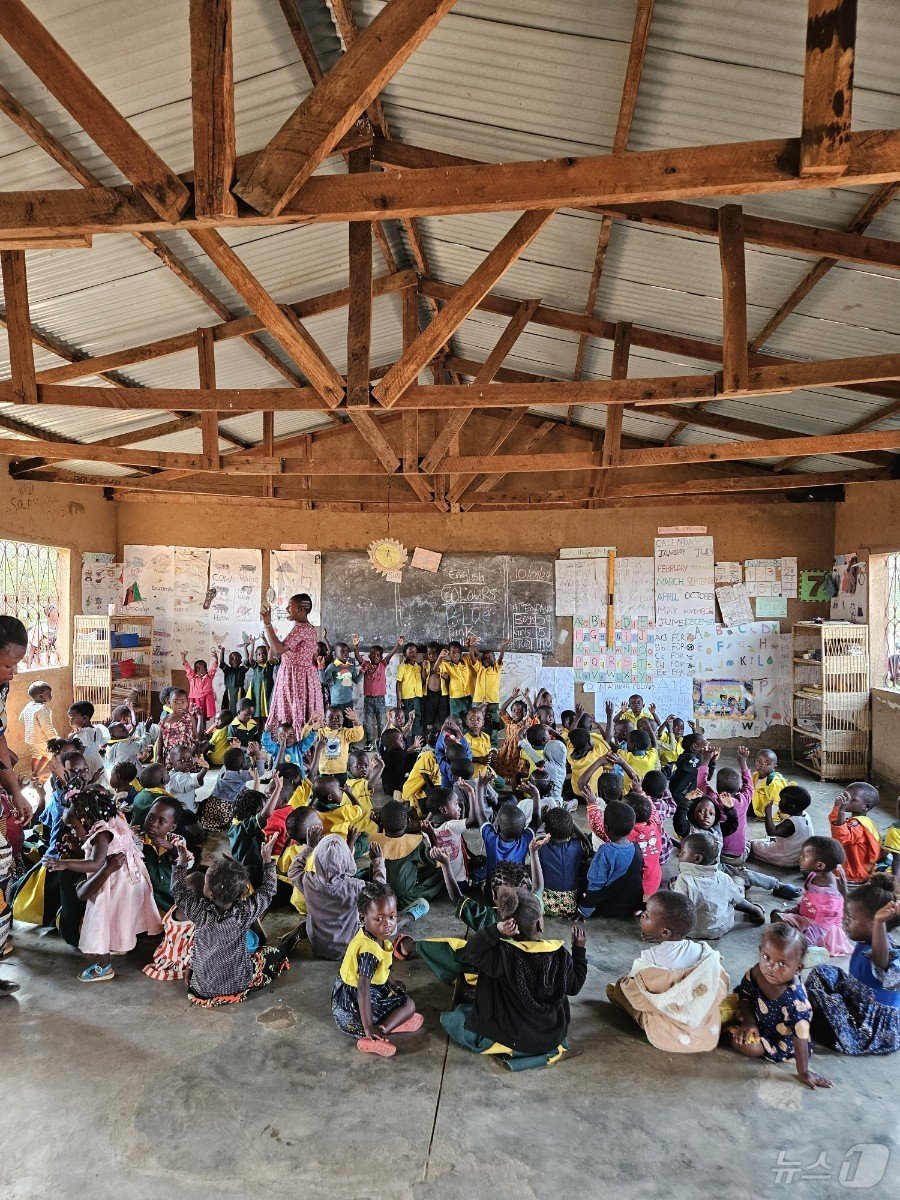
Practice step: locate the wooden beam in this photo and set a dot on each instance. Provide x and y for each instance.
(491, 480)
(828, 87)
(637, 52)
(359, 315)
(209, 420)
(152, 179)
(288, 332)
(375, 438)
(875, 204)
(356, 79)
(79, 241)
(612, 435)
(485, 375)
(18, 326)
(212, 107)
(795, 447)
(476, 287)
(643, 177)
(734, 298)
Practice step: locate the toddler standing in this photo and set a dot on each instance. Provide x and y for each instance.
(201, 696)
(37, 719)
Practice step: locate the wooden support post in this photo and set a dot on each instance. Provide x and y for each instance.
(359, 314)
(212, 102)
(268, 450)
(18, 326)
(828, 87)
(735, 365)
(209, 421)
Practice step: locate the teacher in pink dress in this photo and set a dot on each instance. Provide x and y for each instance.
(297, 695)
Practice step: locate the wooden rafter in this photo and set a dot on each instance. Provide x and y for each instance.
(375, 438)
(497, 476)
(212, 107)
(310, 133)
(828, 87)
(18, 326)
(476, 287)
(209, 420)
(152, 179)
(611, 446)
(359, 313)
(735, 365)
(637, 51)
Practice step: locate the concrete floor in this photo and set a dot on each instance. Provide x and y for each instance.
(125, 1089)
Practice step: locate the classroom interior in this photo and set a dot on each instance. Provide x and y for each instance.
(264, 285)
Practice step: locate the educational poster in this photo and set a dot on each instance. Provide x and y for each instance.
(771, 577)
(101, 586)
(234, 612)
(673, 696)
(630, 660)
(851, 601)
(191, 577)
(734, 604)
(633, 588)
(292, 572)
(676, 651)
(685, 581)
(816, 587)
(192, 639)
(519, 671)
(771, 606)
(560, 683)
(581, 586)
(723, 699)
(148, 580)
(789, 577)
(729, 572)
(754, 651)
(586, 551)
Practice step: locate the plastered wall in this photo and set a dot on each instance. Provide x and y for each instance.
(868, 522)
(77, 519)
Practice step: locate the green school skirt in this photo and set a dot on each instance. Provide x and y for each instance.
(454, 1024)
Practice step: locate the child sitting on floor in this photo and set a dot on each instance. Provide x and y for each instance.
(364, 1002)
(775, 1009)
(218, 811)
(122, 784)
(520, 1009)
(713, 893)
(364, 771)
(331, 892)
(856, 831)
(641, 755)
(675, 986)
(216, 741)
(507, 837)
(92, 737)
(157, 851)
(252, 809)
(820, 914)
(787, 836)
(245, 728)
(615, 876)
(185, 780)
(702, 815)
(684, 776)
(562, 855)
(153, 780)
(283, 747)
(411, 872)
(768, 783)
(122, 746)
(118, 892)
(336, 736)
(858, 1011)
(223, 969)
(177, 727)
(446, 826)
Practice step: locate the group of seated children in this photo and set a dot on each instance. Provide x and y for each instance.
(109, 857)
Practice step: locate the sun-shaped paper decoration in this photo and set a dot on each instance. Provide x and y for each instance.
(387, 554)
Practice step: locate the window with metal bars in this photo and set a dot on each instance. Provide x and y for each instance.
(892, 622)
(31, 578)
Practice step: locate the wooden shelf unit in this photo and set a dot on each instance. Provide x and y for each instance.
(830, 701)
(95, 662)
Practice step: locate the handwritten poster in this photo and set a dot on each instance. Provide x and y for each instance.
(628, 662)
(729, 572)
(101, 586)
(734, 604)
(191, 578)
(633, 585)
(771, 606)
(234, 612)
(292, 572)
(519, 671)
(669, 695)
(560, 683)
(586, 551)
(581, 586)
(685, 581)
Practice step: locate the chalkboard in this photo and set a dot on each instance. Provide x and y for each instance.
(488, 596)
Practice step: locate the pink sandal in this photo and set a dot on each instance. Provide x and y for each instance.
(416, 1021)
(378, 1046)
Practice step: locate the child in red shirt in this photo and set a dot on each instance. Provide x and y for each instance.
(647, 832)
(855, 830)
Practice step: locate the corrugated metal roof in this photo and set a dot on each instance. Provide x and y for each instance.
(499, 80)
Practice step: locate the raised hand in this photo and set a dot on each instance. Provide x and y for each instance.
(356, 639)
(507, 928)
(267, 847)
(579, 937)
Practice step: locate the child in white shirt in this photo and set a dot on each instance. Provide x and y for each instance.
(37, 718)
(186, 777)
(91, 736)
(122, 746)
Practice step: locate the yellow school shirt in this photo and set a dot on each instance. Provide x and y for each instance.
(641, 764)
(282, 866)
(425, 767)
(481, 746)
(301, 797)
(361, 792)
(580, 765)
(364, 943)
(627, 715)
(767, 793)
(487, 684)
(890, 840)
(219, 742)
(336, 751)
(409, 681)
(345, 817)
(459, 678)
(669, 749)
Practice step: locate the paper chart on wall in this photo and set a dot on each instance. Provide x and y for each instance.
(191, 578)
(291, 573)
(101, 586)
(729, 572)
(148, 582)
(669, 695)
(560, 683)
(628, 662)
(237, 577)
(519, 671)
(633, 590)
(685, 581)
(581, 586)
(734, 604)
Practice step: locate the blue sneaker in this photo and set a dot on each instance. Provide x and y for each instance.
(97, 974)
(417, 910)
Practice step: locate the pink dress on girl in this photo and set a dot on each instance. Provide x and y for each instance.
(124, 905)
(819, 916)
(201, 695)
(177, 731)
(297, 695)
